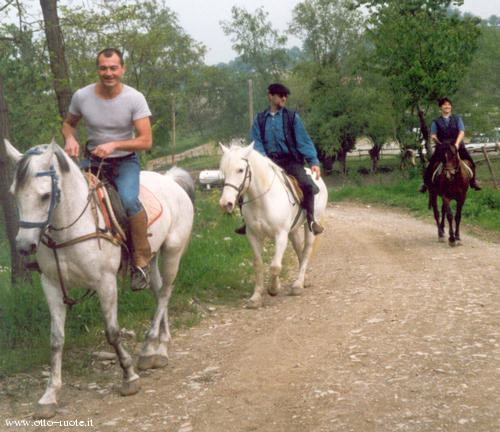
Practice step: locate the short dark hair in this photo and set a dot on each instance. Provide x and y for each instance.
(278, 89)
(443, 100)
(108, 52)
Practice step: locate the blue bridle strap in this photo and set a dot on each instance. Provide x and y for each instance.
(54, 199)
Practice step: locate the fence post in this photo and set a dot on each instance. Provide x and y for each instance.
(489, 167)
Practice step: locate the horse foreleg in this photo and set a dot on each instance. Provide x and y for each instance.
(108, 299)
(434, 205)
(280, 242)
(47, 404)
(255, 301)
(449, 216)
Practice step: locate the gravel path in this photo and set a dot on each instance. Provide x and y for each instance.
(395, 332)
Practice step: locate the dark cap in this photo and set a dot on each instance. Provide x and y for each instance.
(278, 89)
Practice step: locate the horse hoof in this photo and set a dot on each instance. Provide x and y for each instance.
(253, 303)
(45, 411)
(160, 361)
(273, 291)
(130, 387)
(145, 362)
(441, 239)
(452, 243)
(296, 291)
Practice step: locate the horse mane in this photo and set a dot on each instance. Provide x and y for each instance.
(24, 169)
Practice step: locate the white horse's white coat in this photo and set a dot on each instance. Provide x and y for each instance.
(269, 211)
(89, 266)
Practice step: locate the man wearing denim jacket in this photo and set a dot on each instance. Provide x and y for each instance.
(279, 134)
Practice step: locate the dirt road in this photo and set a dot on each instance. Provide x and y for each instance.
(395, 332)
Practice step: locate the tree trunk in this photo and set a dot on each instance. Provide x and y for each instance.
(375, 156)
(18, 262)
(341, 157)
(56, 53)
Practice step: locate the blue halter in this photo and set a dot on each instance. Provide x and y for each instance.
(54, 199)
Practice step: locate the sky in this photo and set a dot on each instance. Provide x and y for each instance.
(201, 19)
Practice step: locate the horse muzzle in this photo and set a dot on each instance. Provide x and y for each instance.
(27, 244)
(227, 206)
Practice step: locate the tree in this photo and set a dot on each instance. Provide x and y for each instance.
(56, 54)
(258, 44)
(333, 121)
(329, 29)
(422, 49)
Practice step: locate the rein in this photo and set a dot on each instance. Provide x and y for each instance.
(241, 189)
(47, 226)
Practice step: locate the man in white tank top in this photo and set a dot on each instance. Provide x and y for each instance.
(117, 124)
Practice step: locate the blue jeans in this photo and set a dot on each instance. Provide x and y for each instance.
(124, 172)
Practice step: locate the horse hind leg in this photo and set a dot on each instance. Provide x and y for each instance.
(303, 251)
(108, 299)
(458, 217)
(281, 241)
(154, 353)
(47, 404)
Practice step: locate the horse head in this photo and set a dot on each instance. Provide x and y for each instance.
(451, 164)
(36, 190)
(235, 168)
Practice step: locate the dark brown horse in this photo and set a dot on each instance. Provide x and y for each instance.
(450, 182)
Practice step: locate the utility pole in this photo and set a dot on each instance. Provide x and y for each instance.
(173, 131)
(250, 99)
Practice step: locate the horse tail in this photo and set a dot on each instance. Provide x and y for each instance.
(183, 179)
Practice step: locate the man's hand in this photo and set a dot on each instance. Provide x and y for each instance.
(72, 148)
(315, 169)
(104, 150)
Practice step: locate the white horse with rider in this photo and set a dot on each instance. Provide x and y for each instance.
(60, 224)
(270, 209)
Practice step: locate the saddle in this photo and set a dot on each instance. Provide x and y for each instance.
(293, 185)
(439, 169)
(112, 208)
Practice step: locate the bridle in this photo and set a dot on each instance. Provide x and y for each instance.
(55, 197)
(450, 172)
(241, 189)
(47, 226)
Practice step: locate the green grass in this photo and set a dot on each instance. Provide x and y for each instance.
(399, 189)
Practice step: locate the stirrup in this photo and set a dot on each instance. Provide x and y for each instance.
(139, 278)
(315, 227)
(475, 186)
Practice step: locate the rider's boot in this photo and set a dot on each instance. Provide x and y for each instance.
(241, 230)
(141, 252)
(314, 226)
(474, 185)
(427, 179)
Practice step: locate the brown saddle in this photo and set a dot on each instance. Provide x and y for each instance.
(293, 186)
(112, 207)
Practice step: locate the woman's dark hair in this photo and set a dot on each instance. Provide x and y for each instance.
(443, 100)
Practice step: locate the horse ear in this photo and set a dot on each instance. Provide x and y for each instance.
(248, 150)
(224, 148)
(12, 153)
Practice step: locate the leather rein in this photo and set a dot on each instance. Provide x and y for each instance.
(47, 226)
